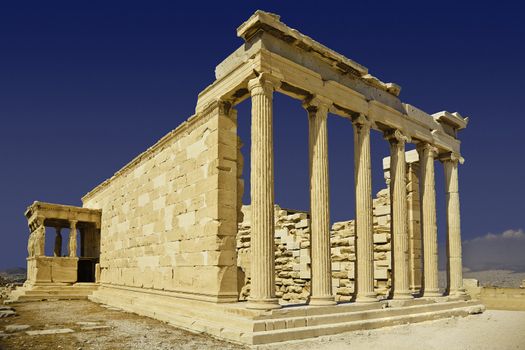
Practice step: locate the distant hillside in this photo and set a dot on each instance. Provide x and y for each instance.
(14, 271)
(13, 275)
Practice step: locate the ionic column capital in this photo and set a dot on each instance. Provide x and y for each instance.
(264, 84)
(73, 223)
(396, 136)
(224, 106)
(453, 157)
(361, 121)
(427, 147)
(318, 104)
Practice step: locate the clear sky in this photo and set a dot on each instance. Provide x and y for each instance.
(86, 86)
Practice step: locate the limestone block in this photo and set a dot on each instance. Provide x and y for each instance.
(302, 223)
(380, 238)
(186, 220)
(336, 266)
(381, 273)
(283, 232)
(382, 210)
(42, 269)
(64, 269)
(383, 220)
(297, 217)
(143, 199)
(305, 274)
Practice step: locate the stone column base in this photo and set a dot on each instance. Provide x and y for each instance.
(402, 296)
(322, 301)
(263, 304)
(366, 298)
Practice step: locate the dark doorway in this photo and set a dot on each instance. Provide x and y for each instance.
(86, 269)
(89, 253)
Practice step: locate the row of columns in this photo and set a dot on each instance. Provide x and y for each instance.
(262, 295)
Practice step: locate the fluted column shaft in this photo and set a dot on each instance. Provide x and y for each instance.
(262, 292)
(364, 212)
(58, 242)
(427, 154)
(398, 198)
(72, 239)
(455, 266)
(319, 203)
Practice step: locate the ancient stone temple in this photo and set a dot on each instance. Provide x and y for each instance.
(167, 236)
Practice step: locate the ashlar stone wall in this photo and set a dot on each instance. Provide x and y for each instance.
(162, 227)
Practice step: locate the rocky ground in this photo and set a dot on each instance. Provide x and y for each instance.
(91, 326)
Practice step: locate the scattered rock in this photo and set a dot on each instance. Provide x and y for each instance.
(90, 328)
(50, 331)
(88, 323)
(16, 328)
(7, 313)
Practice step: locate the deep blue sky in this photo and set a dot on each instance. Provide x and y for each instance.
(86, 86)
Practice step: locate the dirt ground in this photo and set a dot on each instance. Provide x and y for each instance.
(127, 331)
(492, 330)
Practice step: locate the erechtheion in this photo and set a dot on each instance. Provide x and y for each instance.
(167, 235)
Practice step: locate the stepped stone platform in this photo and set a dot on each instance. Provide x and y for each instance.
(235, 323)
(43, 291)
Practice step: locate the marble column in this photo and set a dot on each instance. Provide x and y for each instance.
(262, 292)
(72, 238)
(455, 266)
(427, 154)
(363, 212)
(321, 293)
(58, 242)
(398, 200)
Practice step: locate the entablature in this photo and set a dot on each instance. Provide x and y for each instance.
(307, 68)
(59, 215)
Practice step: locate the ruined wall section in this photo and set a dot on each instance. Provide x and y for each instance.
(293, 259)
(162, 226)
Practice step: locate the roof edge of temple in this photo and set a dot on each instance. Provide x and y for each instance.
(272, 24)
(454, 120)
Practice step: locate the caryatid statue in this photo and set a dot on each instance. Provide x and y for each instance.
(31, 245)
(39, 239)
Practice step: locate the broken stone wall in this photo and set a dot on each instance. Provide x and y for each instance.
(292, 253)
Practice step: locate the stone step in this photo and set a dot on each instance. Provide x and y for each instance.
(340, 315)
(238, 324)
(46, 297)
(168, 309)
(59, 291)
(280, 335)
(43, 292)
